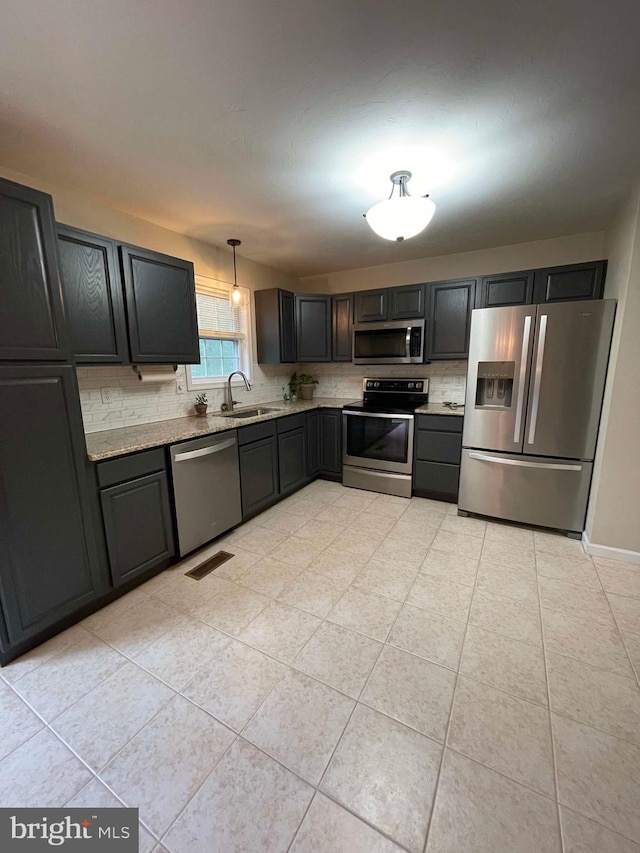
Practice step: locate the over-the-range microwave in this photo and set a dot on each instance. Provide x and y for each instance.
(397, 342)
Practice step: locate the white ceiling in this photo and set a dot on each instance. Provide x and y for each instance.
(254, 118)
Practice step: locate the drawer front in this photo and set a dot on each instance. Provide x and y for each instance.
(439, 446)
(255, 432)
(291, 422)
(436, 478)
(129, 467)
(442, 423)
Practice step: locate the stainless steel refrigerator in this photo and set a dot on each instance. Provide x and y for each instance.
(535, 383)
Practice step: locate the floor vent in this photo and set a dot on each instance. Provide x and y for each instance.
(209, 565)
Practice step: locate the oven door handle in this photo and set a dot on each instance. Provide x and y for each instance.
(376, 415)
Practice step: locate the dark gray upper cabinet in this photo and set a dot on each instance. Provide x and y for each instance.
(93, 297)
(313, 327)
(138, 526)
(342, 307)
(48, 557)
(513, 288)
(449, 318)
(569, 282)
(371, 306)
(32, 320)
(275, 326)
(407, 303)
(161, 307)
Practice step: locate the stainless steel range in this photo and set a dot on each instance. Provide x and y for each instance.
(377, 435)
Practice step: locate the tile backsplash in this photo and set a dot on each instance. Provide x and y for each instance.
(113, 397)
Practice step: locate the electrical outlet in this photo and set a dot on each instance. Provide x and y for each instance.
(180, 386)
(107, 395)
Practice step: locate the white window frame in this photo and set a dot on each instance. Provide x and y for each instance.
(205, 383)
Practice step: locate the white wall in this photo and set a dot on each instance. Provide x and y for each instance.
(613, 519)
(522, 256)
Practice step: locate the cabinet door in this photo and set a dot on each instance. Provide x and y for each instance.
(32, 321)
(450, 306)
(161, 307)
(406, 303)
(292, 459)
(138, 527)
(569, 282)
(331, 441)
(514, 288)
(313, 444)
(287, 329)
(313, 327)
(342, 327)
(371, 306)
(258, 475)
(93, 297)
(48, 565)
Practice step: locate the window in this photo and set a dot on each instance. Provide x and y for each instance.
(223, 329)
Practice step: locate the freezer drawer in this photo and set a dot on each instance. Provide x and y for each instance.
(535, 490)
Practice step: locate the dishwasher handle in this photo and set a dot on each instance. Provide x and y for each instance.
(204, 451)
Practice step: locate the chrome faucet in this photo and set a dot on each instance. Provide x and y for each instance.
(229, 402)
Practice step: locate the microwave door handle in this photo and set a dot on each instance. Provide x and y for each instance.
(407, 343)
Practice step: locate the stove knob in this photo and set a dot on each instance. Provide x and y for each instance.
(376, 384)
(412, 385)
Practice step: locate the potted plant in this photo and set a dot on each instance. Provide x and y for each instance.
(302, 384)
(201, 405)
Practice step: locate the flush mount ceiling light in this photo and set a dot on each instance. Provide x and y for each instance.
(236, 295)
(401, 216)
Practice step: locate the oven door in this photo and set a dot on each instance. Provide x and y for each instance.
(378, 441)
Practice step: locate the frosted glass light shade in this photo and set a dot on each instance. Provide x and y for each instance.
(400, 217)
(236, 295)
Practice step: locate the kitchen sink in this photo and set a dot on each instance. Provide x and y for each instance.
(249, 413)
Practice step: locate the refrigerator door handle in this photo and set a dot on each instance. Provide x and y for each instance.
(553, 466)
(521, 378)
(542, 334)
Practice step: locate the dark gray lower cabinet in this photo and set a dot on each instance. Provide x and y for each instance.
(292, 459)
(438, 446)
(138, 526)
(258, 474)
(313, 443)
(49, 562)
(331, 442)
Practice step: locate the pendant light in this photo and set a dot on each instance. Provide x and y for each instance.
(236, 295)
(401, 216)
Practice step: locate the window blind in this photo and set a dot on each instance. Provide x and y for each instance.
(217, 317)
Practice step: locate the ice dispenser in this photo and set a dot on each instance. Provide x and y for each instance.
(494, 385)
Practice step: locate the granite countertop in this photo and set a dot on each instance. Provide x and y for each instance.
(118, 442)
(440, 409)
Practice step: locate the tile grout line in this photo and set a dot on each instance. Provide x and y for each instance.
(453, 698)
(620, 633)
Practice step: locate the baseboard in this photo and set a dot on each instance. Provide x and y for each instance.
(609, 553)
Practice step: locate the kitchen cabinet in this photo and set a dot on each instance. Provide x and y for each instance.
(406, 303)
(136, 512)
(313, 327)
(161, 307)
(371, 306)
(49, 560)
(258, 454)
(93, 297)
(275, 326)
(449, 319)
(331, 443)
(514, 288)
(437, 452)
(570, 282)
(292, 452)
(342, 308)
(313, 443)
(32, 320)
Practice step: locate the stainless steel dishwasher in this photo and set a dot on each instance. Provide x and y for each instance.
(206, 488)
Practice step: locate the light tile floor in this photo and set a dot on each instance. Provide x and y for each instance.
(366, 674)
